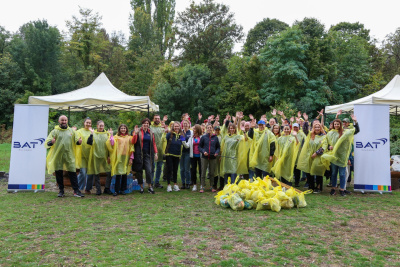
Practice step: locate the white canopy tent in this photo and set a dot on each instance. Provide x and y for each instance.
(389, 95)
(100, 95)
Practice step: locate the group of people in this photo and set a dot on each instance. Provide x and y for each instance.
(219, 151)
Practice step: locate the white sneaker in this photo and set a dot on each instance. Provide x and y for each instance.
(176, 188)
(194, 188)
(169, 188)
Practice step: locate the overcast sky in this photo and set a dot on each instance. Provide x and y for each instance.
(381, 17)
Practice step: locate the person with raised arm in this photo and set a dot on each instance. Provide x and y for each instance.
(62, 142)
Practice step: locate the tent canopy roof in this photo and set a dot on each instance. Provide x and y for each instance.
(100, 95)
(389, 95)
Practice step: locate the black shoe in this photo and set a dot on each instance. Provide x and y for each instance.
(115, 194)
(61, 194)
(122, 193)
(306, 185)
(98, 193)
(78, 194)
(317, 191)
(342, 193)
(187, 186)
(141, 190)
(183, 186)
(150, 190)
(107, 191)
(158, 186)
(333, 192)
(347, 192)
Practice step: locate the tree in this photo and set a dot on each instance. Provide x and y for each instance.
(206, 34)
(352, 29)
(185, 89)
(4, 36)
(392, 55)
(258, 36)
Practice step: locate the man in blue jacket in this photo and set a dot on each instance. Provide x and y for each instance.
(209, 148)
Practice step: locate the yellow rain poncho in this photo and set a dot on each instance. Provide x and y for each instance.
(306, 163)
(99, 154)
(286, 153)
(62, 153)
(260, 150)
(158, 134)
(82, 152)
(301, 137)
(233, 155)
(341, 148)
(120, 154)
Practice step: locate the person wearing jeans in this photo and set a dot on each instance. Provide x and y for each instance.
(158, 130)
(174, 141)
(339, 143)
(83, 153)
(193, 145)
(209, 148)
(185, 158)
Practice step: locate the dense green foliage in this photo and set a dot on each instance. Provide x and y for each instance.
(185, 61)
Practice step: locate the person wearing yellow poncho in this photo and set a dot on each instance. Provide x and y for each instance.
(82, 154)
(310, 157)
(120, 147)
(339, 142)
(158, 130)
(99, 159)
(262, 149)
(286, 153)
(233, 154)
(301, 137)
(62, 141)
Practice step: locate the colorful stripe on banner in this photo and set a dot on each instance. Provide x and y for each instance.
(26, 186)
(373, 187)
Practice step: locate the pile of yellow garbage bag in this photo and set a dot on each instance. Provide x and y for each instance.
(260, 195)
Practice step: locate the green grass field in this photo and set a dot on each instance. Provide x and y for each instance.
(5, 153)
(186, 228)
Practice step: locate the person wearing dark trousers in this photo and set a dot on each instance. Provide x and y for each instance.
(209, 148)
(145, 154)
(99, 159)
(61, 142)
(217, 176)
(193, 145)
(185, 158)
(174, 142)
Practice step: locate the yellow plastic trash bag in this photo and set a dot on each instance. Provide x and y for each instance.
(287, 203)
(256, 195)
(291, 192)
(268, 183)
(249, 204)
(218, 196)
(224, 201)
(281, 196)
(275, 204)
(270, 193)
(235, 202)
(302, 199)
(261, 204)
(244, 184)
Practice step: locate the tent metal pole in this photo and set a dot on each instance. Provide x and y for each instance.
(396, 110)
(148, 111)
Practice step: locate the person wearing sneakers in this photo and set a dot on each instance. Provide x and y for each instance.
(158, 130)
(82, 154)
(99, 159)
(185, 158)
(193, 145)
(339, 142)
(173, 142)
(209, 148)
(62, 141)
(145, 154)
(120, 147)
